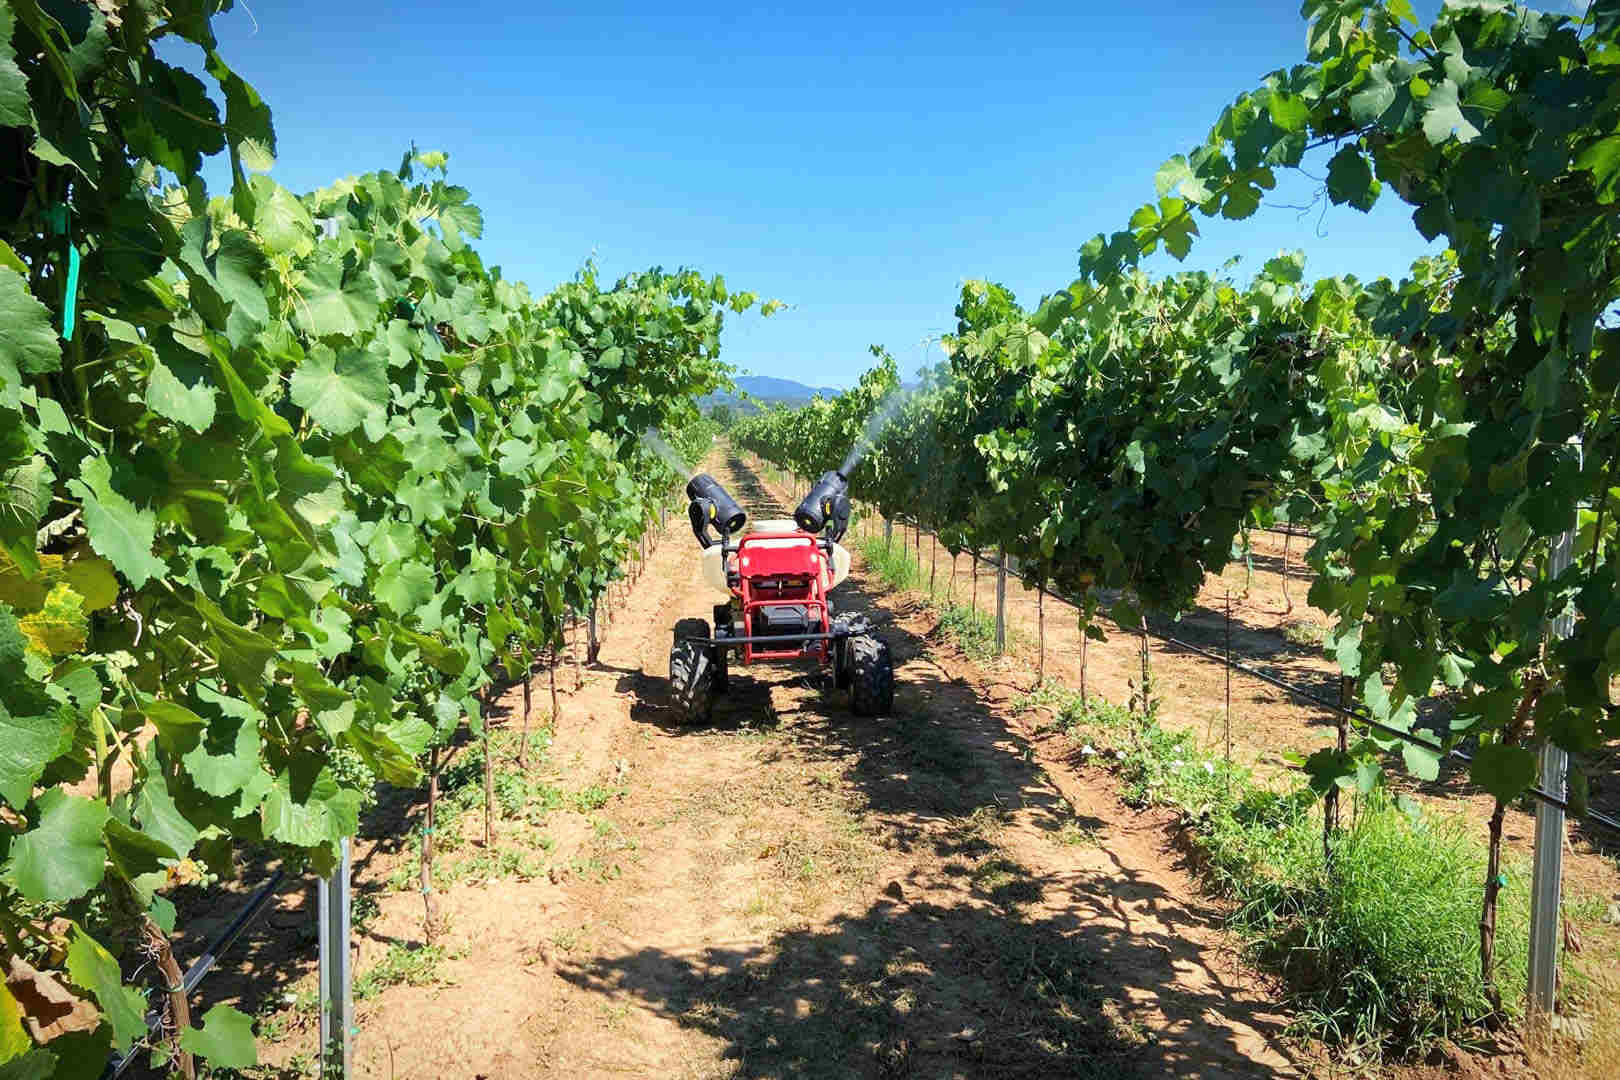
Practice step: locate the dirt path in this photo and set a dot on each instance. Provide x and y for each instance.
(789, 891)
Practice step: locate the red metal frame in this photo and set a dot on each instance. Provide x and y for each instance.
(782, 568)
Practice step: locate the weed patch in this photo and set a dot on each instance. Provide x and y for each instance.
(401, 966)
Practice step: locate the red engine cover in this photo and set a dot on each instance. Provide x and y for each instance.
(777, 568)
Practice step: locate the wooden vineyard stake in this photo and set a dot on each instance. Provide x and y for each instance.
(1040, 624)
(162, 949)
(1085, 639)
(552, 669)
(528, 708)
(1229, 685)
(1001, 602)
(426, 876)
(489, 781)
(1145, 694)
(573, 649)
(1288, 601)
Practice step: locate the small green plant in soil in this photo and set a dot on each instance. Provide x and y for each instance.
(974, 632)
(1304, 633)
(401, 966)
(595, 797)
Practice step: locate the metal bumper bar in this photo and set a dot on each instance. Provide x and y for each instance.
(770, 639)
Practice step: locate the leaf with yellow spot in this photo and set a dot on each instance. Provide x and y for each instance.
(60, 627)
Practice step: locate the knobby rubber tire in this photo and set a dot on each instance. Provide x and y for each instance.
(871, 672)
(691, 673)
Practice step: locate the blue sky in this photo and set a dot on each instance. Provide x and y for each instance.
(857, 164)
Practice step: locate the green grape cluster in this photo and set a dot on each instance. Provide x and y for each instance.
(351, 771)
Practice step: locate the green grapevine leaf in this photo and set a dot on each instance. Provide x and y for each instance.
(160, 818)
(1443, 116)
(167, 396)
(118, 531)
(1329, 768)
(27, 745)
(1602, 160)
(28, 344)
(281, 219)
(37, 1064)
(14, 1040)
(1177, 176)
(1350, 179)
(1421, 762)
(404, 586)
(243, 654)
(225, 1039)
(310, 814)
(134, 852)
(1470, 598)
(255, 156)
(62, 858)
(12, 644)
(1503, 771)
(246, 114)
(341, 390)
(335, 299)
(91, 966)
(14, 110)
(226, 758)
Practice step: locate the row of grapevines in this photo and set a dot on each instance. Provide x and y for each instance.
(283, 480)
(1442, 433)
(822, 434)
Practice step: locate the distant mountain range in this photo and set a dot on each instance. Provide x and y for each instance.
(770, 389)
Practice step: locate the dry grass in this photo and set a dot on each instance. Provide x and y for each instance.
(1596, 1056)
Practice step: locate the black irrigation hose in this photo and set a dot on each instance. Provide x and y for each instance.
(205, 963)
(1538, 793)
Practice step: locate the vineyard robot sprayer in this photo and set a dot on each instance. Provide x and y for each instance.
(775, 578)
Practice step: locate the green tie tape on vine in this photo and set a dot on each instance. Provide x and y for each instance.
(57, 218)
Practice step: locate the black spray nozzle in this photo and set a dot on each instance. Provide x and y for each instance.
(827, 504)
(722, 510)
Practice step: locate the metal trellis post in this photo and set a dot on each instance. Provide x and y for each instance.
(1546, 883)
(337, 970)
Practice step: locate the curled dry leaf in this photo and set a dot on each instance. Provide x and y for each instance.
(50, 1010)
